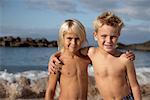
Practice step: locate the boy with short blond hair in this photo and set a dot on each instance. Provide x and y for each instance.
(114, 74)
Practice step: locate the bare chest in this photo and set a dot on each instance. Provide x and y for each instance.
(108, 68)
(74, 67)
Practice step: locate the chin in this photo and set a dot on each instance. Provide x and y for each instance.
(109, 50)
(73, 51)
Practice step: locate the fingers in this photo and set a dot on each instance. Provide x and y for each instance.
(54, 65)
(56, 60)
(54, 68)
(59, 67)
(51, 68)
(130, 55)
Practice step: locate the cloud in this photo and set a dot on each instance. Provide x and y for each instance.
(50, 34)
(135, 34)
(16, 30)
(5, 3)
(134, 12)
(100, 5)
(61, 6)
(137, 9)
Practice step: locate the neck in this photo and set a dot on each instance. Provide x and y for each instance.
(71, 54)
(113, 53)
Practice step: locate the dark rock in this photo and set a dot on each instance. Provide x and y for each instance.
(3, 90)
(23, 81)
(140, 46)
(9, 41)
(145, 89)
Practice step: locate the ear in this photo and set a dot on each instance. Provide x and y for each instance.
(95, 36)
(95, 33)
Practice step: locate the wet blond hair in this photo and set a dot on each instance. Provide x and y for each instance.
(108, 18)
(71, 26)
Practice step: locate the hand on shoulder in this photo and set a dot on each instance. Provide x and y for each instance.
(91, 51)
(124, 59)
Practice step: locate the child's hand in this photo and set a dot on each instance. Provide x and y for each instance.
(130, 55)
(54, 64)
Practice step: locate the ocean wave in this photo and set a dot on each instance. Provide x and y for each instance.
(32, 75)
(143, 75)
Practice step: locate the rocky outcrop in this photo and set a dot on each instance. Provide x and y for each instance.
(140, 46)
(9, 41)
(24, 88)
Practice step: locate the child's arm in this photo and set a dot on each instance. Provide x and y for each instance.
(84, 51)
(54, 63)
(133, 80)
(51, 86)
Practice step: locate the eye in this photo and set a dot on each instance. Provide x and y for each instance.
(77, 39)
(103, 36)
(113, 37)
(69, 38)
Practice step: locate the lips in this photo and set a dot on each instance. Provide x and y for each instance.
(72, 46)
(108, 46)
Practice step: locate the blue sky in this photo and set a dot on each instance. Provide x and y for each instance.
(42, 18)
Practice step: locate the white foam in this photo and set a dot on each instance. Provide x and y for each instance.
(143, 75)
(90, 71)
(32, 75)
(7, 76)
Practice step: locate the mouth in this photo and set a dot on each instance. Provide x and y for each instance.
(108, 46)
(73, 47)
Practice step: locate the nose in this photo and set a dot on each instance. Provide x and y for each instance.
(108, 39)
(73, 41)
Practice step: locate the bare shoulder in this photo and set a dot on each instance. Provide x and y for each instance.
(125, 60)
(91, 51)
(123, 56)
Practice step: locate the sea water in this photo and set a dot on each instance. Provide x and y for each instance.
(32, 63)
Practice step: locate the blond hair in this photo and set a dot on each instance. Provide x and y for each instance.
(108, 18)
(71, 26)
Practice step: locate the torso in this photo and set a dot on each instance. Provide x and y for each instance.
(110, 75)
(74, 78)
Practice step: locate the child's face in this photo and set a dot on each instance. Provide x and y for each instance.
(107, 37)
(72, 43)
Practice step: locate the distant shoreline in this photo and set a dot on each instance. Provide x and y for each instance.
(138, 46)
(10, 41)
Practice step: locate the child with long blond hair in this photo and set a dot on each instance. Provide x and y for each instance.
(73, 77)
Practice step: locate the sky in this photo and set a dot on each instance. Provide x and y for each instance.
(43, 18)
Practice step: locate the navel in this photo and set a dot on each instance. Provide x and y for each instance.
(68, 73)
